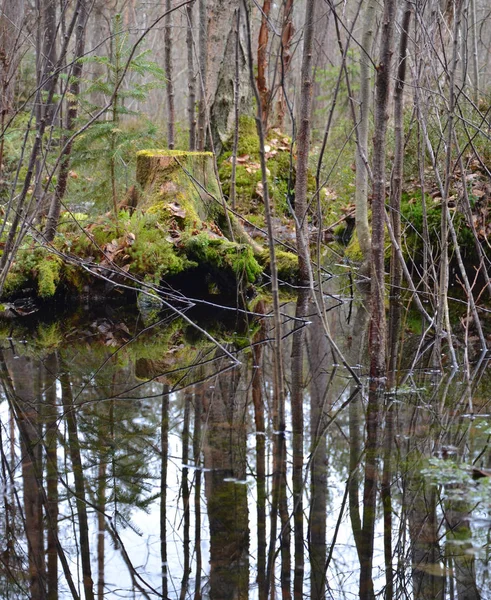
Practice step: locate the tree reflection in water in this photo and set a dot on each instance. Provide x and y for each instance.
(140, 464)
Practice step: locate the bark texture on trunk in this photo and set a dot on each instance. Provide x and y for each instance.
(395, 196)
(303, 145)
(72, 113)
(191, 77)
(222, 83)
(203, 76)
(11, 22)
(377, 336)
(262, 62)
(361, 157)
(285, 60)
(168, 67)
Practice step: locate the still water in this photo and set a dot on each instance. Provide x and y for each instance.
(140, 459)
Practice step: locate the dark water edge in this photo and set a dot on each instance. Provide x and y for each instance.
(140, 459)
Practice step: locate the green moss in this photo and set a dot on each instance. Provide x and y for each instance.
(353, 251)
(286, 263)
(168, 152)
(237, 259)
(34, 266)
(48, 276)
(412, 223)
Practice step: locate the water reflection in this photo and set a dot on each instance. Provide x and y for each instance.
(145, 461)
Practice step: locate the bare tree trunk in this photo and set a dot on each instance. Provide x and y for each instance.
(377, 336)
(443, 317)
(203, 75)
(278, 384)
(223, 84)
(262, 62)
(361, 157)
(382, 91)
(72, 112)
(11, 24)
(191, 77)
(233, 191)
(395, 196)
(474, 50)
(285, 60)
(303, 145)
(20, 212)
(168, 67)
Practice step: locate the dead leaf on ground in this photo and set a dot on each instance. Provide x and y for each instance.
(176, 209)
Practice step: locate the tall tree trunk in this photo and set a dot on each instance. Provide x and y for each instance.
(262, 62)
(278, 383)
(303, 145)
(395, 196)
(474, 50)
(224, 84)
(72, 112)
(382, 91)
(169, 74)
(191, 77)
(377, 336)
(49, 35)
(361, 155)
(287, 32)
(443, 317)
(233, 176)
(11, 27)
(203, 75)
(13, 239)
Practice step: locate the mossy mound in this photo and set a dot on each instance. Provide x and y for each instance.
(178, 223)
(412, 224)
(286, 262)
(281, 171)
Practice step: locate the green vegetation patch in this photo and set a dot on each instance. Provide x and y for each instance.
(281, 170)
(286, 263)
(219, 253)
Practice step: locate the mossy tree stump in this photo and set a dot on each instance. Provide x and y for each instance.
(181, 188)
(185, 179)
